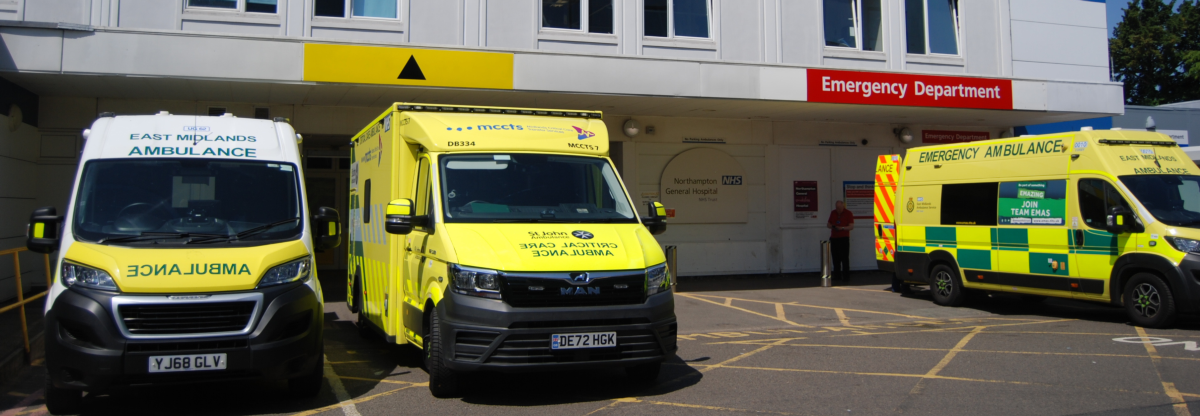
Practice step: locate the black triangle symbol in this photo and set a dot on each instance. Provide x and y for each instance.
(411, 70)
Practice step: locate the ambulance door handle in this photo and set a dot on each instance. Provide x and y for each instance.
(1078, 238)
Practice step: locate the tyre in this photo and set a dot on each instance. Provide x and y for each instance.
(1148, 301)
(443, 382)
(946, 287)
(62, 401)
(309, 385)
(643, 374)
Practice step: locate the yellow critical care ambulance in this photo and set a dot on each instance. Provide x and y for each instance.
(1105, 216)
(502, 239)
(186, 254)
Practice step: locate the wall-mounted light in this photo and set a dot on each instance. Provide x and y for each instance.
(632, 128)
(903, 134)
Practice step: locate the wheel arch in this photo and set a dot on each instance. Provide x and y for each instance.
(1131, 264)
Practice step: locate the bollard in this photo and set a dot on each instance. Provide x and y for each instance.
(672, 263)
(826, 279)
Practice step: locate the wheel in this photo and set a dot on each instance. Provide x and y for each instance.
(443, 382)
(1148, 301)
(946, 286)
(643, 374)
(62, 401)
(309, 385)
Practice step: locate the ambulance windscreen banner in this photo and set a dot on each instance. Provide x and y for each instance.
(1033, 203)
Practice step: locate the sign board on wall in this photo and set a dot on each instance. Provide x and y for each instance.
(804, 199)
(877, 88)
(704, 186)
(949, 136)
(859, 197)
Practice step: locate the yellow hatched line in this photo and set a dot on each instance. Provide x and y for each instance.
(696, 297)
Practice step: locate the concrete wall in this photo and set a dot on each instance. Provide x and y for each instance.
(1038, 39)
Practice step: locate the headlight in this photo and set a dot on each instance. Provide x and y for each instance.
(1185, 245)
(475, 282)
(656, 279)
(75, 274)
(296, 271)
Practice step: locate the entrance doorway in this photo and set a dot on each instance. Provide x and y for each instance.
(327, 179)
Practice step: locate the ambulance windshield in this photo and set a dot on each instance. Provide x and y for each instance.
(187, 201)
(520, 187)
(1172, 199)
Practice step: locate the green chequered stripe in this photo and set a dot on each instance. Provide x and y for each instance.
(1048, 263)
(975, 259)
(941, 236)
(913, 249)
(1012, 239)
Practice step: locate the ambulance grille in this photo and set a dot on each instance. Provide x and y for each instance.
(189, 318)
(562, 293)
(535, 348)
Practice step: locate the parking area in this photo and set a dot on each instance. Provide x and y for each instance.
(777, 349)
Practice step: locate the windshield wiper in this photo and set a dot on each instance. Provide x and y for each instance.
(152, 235)
(532, 220)
(246, 233)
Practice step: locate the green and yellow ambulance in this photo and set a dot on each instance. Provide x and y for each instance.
(1107, 216)
(503, 239)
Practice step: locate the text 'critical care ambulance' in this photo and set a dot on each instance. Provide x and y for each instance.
(502, 239)
(1108, 216)
(186, 254)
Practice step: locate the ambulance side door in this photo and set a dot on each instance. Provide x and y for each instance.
(1094, 250)
(416, 245)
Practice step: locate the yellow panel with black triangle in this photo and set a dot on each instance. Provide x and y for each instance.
(407, 66)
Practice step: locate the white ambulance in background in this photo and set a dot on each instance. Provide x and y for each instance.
(186, 254)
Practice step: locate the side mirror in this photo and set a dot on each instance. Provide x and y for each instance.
(400, 218)
(1119, 221)
(326, 224)
(41, 236)
(657, 221)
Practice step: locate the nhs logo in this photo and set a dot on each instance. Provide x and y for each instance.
(731, 180)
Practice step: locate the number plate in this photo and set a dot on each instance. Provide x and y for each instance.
(585, 340)
(195, 362)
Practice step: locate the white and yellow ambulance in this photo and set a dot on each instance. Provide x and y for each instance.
(185, 255)
(1107, 216)
(503, 239)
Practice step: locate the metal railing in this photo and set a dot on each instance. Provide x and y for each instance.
(21, 299)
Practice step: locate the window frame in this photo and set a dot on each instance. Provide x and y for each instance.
(348, 13)
(671, 23)
(857, 14)
(240, 9)
(957, 31)
(584, 21)
(1108, 187)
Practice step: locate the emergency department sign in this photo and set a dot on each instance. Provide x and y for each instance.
(406, 66)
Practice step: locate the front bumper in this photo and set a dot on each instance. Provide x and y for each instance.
(86, 350)
(489, 335)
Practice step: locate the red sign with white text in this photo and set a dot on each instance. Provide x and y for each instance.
(877, 88)
(948, 136)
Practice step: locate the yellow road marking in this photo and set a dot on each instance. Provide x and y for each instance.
(728, 301)
(347, 362)
(1178, 403)
(871, 347)
(17, 393)
(697, 297)
(779, 313)
(358, 400)
(880, 290)
(375, 380)
(610, 405)
(691, 296)
(34, 411)
(699, 406)
(842, 317)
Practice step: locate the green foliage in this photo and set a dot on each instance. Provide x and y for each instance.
(1155, 51)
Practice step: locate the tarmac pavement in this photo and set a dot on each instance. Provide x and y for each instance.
(781, 347)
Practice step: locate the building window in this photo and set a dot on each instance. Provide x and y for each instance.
(848, 21)
(569, 14)
(381, 9)
(932, 26)
(252, 6)
(676, 18)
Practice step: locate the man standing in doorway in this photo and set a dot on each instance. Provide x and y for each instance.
(841, 221)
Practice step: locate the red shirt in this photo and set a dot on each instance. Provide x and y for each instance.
(843, 220)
